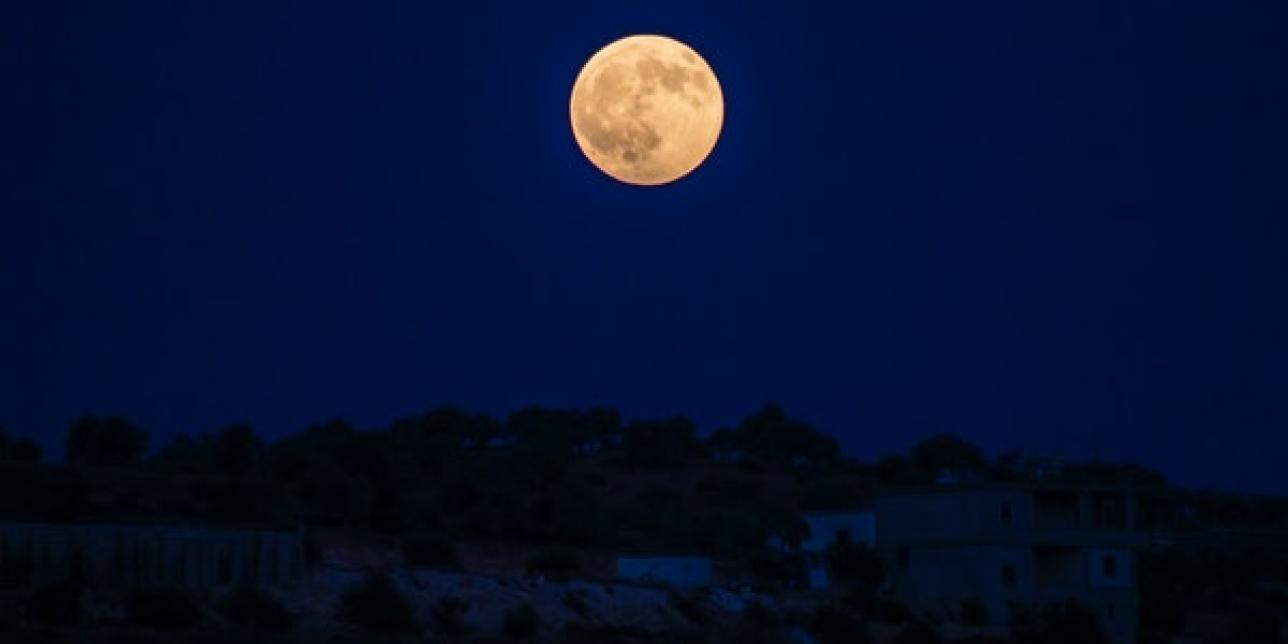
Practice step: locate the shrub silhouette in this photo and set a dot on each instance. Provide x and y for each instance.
(105, 441)
(522, 623)
(18, 450)
(449, 614)
(919, 632)
(974, 613)
(576, 603)
(1068, 623)
(165, 609)
(689, 607)
(377, 606)
(1256, 628)
(831, 626)
(554, 561)
(760, 616)
(888, 610)
(431, 552)
(57, 604)
(247, 606)
(855, 562)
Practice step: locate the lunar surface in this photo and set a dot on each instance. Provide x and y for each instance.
(646, 110)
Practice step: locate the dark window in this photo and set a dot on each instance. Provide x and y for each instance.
(1007, 513)
(902, 557)
(1110, 565)
(843, 535)
(1008, 575)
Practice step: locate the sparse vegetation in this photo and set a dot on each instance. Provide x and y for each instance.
(832, 626)
(1067, 623)
(431, 551)
(554, 561)
(690, 607)
(890, 611)
(576, 603)
(600, 634)
(855, 563)
(974, 613)
(57, 604)
(773, 571)
(248, 607)
(522, 623)
(449, 615)
(572, 481)
(164, 609)
(919, 632)
(377, 605)
(1256, 627)
(18, 450)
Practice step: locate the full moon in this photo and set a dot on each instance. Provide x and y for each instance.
(646, 110)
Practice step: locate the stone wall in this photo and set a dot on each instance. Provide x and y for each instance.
(123, 556)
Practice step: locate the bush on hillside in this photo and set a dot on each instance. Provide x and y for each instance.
(376, 606)
(919, 632)
(247, 606)
(576, 603)
(690, 607)
(974, 613)
(57, 604)
(1256, 628)
(449, 614)
(163, 609)
(522, 623)
(1068, 623)
(554, 561)
(855, 563)
(431, 552)
(831, 626)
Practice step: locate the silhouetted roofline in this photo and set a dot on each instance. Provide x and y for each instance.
(1018, 486)
(172, 528)
(838, 512)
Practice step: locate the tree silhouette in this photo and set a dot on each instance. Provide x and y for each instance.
(111, 441)
(660, 444)
(945, 452)
(769, 438)
(18, 450)
(565, 431)
(377, 605)
(237, 450)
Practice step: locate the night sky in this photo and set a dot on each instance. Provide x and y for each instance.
(1057, 226)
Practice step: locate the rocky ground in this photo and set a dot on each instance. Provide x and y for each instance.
(565, 610)
(560, 604)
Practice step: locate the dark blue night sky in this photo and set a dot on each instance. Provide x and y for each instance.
(1057, 226)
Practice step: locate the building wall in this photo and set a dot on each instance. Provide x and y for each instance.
(826, 527)
(681, 572)
(939, 579)
(132, 555)
(952, 515)
(1006, 514)
(1111, 567)
(945, 546)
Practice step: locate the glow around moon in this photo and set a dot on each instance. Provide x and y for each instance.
(647, 110)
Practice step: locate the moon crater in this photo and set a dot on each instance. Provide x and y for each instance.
(646, 110)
